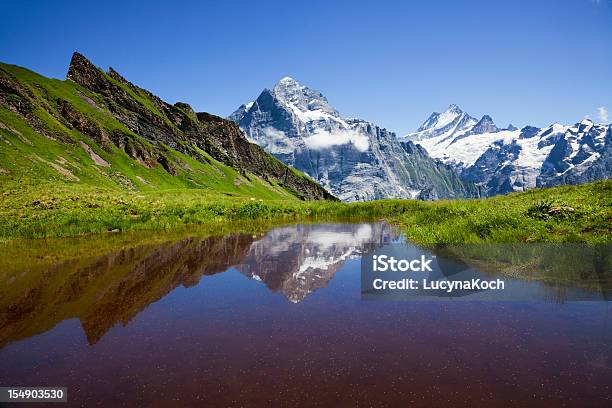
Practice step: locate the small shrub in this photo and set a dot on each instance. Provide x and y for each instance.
(540, 210)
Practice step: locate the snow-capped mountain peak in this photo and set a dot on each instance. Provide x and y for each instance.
(452, 121)
(303, 99)
(440, 120)
(484, 125)
(585, 125)
(287, 81)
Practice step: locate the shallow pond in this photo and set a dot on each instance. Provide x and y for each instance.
(278, 318)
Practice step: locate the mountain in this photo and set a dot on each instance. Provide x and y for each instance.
(354, 159)
(98, 129)
(511, 159)
(447, 123)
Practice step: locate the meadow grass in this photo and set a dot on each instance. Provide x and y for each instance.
(561, 214)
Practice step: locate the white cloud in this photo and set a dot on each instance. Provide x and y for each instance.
(324, 140)
(273, 134)
(275, 141)
(602, 112)
(328, 239)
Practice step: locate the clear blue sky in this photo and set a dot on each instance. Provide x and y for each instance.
(525, 62)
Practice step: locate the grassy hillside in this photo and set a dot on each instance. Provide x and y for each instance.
(30, 161)
(59, 134)
(561, 214)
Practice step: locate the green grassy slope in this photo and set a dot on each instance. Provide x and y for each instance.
(57, 157)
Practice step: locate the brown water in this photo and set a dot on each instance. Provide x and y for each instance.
(244, 320)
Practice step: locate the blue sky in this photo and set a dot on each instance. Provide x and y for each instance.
(390, 62)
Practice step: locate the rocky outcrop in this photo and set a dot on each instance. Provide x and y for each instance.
(178, 127)
(434, 176)
(484, 125)
(582, 154)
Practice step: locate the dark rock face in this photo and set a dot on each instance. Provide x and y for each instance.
(353, 158)
(528, 132)
(495, 160)
(484, 125)
(436, 177)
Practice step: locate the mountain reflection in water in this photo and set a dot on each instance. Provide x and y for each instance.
(105, 290)
(299, 259)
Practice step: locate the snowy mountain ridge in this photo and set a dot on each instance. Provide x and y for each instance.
(505, 160)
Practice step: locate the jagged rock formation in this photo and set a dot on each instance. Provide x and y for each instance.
(146, 128)
(179, 124)
(353, 158)
(506, 160)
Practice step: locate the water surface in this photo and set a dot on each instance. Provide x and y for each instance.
(247, 320)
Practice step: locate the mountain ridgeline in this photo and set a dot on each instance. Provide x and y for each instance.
(61, 130)
(510, 159)
(354, 159)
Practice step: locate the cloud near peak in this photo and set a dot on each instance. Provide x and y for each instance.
(324, 140)
(602, 112)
